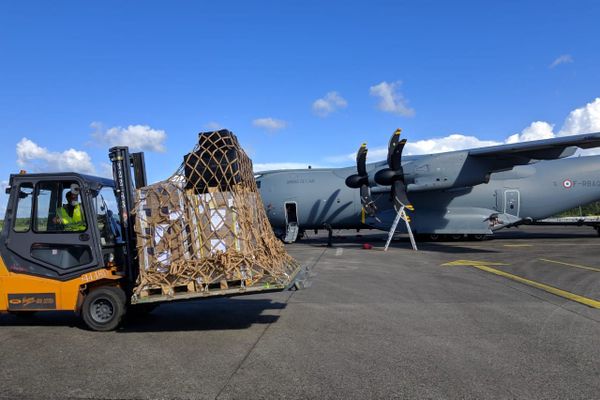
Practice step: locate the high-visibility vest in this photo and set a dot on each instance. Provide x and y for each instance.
(72, 223)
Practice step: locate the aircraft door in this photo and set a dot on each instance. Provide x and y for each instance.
(291, 221)
(511, 202)
(291, 213)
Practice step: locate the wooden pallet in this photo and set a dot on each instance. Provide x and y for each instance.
(190, 288)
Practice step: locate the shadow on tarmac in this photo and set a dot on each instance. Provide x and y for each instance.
(204, 315)
(448, 245)
(442, 247)
(193, 315)
(378, 242)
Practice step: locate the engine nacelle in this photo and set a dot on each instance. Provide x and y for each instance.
(386, 176)
(356, 181)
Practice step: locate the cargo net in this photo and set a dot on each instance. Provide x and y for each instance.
(205, 228)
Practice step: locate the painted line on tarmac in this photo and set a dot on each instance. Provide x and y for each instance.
(483, 266)
(571, 265)
(339, 251)
(470, 263)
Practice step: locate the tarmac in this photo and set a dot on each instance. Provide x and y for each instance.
(513, 317)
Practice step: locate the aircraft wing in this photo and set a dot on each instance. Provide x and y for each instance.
(466, 168)
(546, 149)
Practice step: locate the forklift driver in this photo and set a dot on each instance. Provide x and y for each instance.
(70, 215)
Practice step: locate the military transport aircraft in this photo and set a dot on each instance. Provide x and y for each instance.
(467, 192)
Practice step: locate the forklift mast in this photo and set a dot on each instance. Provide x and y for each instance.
(122, 164)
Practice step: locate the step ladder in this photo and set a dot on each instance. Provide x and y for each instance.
(291, 232)
(401, 215)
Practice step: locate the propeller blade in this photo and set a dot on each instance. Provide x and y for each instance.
(396, 156)
(360, 180)
(361, 160)
(394, 175)
(392, 145)
(399, 196)
(366, 201)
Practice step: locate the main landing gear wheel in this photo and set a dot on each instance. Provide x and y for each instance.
(478, 237)
(103, 308)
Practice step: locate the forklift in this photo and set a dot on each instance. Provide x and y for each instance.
(89, 267)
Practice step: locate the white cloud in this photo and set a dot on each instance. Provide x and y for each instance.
(563, 59)
(582, 120)
(258, 167)
(391, 100)
(270, 124)
(536, 131)
(32, 156)
(448, 143)
(137, 137)
(328, 104)
(428, 146)
(213, 126)
(106, 170)
(585, 119)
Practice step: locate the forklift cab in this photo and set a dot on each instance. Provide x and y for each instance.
(67, 242)
(61, 248)
(60, 226)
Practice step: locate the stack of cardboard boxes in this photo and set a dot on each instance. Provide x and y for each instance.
(206, 224)
(173, 225)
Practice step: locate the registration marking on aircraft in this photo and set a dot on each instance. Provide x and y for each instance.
(571, 265)
(484, 266)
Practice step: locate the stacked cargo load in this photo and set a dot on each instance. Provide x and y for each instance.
(204, 231)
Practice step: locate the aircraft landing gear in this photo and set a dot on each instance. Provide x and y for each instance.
(329, 235)
(479, 237)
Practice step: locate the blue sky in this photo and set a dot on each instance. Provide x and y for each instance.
(298, 81)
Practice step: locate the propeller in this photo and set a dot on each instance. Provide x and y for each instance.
(361, 181)
(394, 175)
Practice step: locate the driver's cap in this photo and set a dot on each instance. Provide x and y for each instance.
(75, 188)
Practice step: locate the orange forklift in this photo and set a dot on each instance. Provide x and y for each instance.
(89, 266)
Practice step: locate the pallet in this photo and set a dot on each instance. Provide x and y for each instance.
(190, 289)
(222, 288)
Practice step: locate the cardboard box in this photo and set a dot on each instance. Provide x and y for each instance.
(198, 236)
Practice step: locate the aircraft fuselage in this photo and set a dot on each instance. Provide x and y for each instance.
(315, 197)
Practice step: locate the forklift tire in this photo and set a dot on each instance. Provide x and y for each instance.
(103, 308)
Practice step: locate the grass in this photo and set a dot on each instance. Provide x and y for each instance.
(588, 209)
